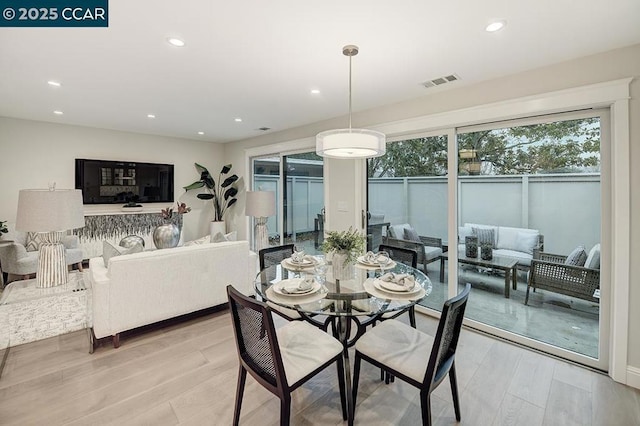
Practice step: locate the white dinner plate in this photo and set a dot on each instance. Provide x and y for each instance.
(370, 287)
(395, 288)
(287, 264)
(290, 287)
(389, 265)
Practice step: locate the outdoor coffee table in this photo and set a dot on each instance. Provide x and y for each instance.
(506, 264)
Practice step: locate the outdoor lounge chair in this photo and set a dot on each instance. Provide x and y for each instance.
(551, 273)
(429, 249)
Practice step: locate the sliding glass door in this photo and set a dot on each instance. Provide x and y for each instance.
(297, 180)
(407, 203)
(530, 209)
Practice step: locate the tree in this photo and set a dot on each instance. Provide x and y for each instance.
(562, 146)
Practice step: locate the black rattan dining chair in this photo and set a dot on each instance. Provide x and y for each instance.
(415, 357)
(279, 360)
(410, 258)
(274, 255)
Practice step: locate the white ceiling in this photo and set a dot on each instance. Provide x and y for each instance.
(258, 60)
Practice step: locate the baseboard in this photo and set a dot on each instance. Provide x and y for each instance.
(633, 377)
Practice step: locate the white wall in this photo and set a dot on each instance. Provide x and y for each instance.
(607, 66)
(33, 153)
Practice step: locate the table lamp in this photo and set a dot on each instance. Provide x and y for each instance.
(260, 205)
(51, 213)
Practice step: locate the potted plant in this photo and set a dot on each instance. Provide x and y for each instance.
(345, 247)
(221, 194)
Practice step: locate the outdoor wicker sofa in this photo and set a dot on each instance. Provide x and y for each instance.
(549, 272)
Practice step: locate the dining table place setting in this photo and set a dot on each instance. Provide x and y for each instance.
(371, 260)
(297, 290)
(393, 285)
(299, 261)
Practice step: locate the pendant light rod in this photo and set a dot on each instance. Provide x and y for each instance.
(350, 51)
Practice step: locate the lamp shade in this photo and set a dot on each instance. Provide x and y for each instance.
(260, 203)
(350, 143)
(42, 210)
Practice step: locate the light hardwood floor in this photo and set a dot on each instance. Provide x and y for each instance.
(186, 374)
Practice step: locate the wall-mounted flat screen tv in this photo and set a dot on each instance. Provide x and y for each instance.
(121, 182)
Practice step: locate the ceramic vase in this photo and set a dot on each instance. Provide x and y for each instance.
(166, 236)
(342, 268)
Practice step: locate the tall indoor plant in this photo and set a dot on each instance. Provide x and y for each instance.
(223, 194)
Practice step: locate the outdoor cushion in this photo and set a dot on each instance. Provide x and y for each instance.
(411, 234)
(464, 231)
(479, 226)
(522, 258)
(511, 238)
(593, 260)
(397, 231)
(577, 257)
(431, 252)
(525, 242)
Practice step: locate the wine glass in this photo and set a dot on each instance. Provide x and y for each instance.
(298, 253)
(320, 270)
(383, 260)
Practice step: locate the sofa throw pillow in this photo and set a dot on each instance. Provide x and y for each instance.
(219, 237)
(34, 239)
(411, 234)
(593, 259)
(109, 251)
(485, 236)
(577, 257)
(199, 241)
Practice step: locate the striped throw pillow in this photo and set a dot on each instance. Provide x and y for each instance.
(485, 236)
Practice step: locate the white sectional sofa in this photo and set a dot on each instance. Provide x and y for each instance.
(518, 243)
(143, 288)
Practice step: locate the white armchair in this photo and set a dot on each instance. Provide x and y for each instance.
(16, 260)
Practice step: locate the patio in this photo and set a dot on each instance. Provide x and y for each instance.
(552, 318)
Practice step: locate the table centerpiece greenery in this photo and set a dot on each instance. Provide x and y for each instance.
(350, 242)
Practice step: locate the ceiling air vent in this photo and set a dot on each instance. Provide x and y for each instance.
(264, 129)
(441, 80)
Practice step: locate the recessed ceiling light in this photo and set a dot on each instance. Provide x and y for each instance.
(175, 42)
(315, 91)
(54, 83)
(495, 26)
(201, 133)
(151, 116)
(57, 112)
(238, 119)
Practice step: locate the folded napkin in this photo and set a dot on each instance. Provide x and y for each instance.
(297, 257)
(406, 281)
(298, 285)
(305, 260)
(371, 257)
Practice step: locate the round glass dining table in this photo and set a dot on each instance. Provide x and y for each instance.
(359, 300)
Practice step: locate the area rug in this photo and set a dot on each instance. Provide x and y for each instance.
(26, 319)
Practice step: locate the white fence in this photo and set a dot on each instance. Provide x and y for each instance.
(565, 208)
